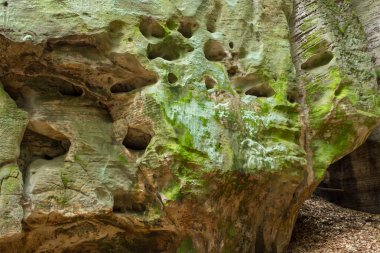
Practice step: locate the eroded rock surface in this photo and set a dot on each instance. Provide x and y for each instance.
(174, 126)
(354, 181)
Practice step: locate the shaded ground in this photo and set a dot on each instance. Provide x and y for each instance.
(323, 227)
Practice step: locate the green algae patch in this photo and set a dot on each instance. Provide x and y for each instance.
(186, 246)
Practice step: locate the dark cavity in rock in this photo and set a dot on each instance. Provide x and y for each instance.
(214, 51)
(151, 28)
(172, 78)
(136, 139)
(187, 27)
(169, 49)
(317, 60)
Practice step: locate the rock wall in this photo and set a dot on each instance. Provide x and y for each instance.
(354, 181)
(174, 126)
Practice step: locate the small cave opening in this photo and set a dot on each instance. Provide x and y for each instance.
(231, 45)
(70, 90)
(136, 139)
(37, 146)
(149, 27)
(210, 82)
(354, 181)
(214, 51)
(317, 60)
(172, 78)
(187, 27)
(261, 90)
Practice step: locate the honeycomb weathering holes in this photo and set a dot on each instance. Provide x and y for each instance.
(214, 51)
(210, 82)
(151, 28)
(137, 139)
(187, 27)
(172, 78)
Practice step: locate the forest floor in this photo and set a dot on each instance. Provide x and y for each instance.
(323, 227)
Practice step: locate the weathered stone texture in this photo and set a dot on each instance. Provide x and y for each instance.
(174, 126)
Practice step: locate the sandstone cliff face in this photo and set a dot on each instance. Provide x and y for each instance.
(355, 180)
(174, 126)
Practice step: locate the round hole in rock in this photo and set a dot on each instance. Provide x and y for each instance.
(231, 45)
(187, 27)
(214, 51)
(115, 28)
(70, 90)
(151, 28)
(122, 88)
(172, 78)
(210, 82)
(136, 139)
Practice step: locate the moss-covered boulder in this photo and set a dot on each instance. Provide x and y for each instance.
(174, 126)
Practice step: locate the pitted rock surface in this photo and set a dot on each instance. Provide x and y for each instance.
(175, 126)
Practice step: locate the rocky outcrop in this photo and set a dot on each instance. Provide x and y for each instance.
(162, 126)
(354, 181)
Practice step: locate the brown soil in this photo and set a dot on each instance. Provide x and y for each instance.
(323, 227)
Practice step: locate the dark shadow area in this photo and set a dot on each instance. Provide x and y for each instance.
(136, 139)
